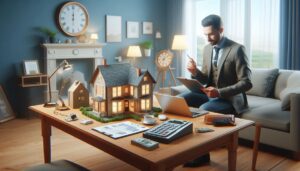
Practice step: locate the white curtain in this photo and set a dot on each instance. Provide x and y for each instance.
(189, 29)
(255, 24)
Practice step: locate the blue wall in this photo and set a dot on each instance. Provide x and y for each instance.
(20, 39)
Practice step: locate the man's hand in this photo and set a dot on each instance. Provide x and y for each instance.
(211, 92)
(192, 67)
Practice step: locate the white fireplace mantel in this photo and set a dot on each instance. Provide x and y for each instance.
(54, 52)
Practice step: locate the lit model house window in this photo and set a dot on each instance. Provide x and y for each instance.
(145, 89)
(117, 91)
(145, 104)
(117, 106)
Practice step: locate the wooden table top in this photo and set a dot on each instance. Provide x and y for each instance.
(186, 143)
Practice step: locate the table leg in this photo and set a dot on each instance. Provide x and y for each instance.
(232, 151)
(255, 144)
(46, 133)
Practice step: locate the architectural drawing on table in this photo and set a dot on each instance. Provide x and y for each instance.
(121, 88)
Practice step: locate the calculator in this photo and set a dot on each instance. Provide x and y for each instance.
(169, 130)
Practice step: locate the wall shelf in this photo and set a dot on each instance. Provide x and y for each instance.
(33, 80)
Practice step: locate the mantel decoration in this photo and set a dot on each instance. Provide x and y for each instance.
(49, 33)
(66, 66)
(147, 45)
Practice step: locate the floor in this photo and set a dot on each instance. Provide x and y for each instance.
(21, 147)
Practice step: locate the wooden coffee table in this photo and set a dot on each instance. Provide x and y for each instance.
(166, 157)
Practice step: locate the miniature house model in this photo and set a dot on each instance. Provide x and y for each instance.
(121, 88)
(78, 95)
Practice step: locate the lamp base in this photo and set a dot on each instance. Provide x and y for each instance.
(50, 104)
(62, 108)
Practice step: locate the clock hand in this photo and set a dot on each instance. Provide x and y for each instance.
(73, 17)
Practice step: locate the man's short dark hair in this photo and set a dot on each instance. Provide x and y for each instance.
(212, 20)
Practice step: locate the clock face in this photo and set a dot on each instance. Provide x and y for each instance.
(164, 59)
(73, 18)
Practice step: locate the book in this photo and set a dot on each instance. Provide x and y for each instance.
(145, 143)
(192, 84)
(120, 129)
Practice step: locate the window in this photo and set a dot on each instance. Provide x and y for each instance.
(117, 106)
(100, 91)
(255, 24)
(145, 78)
(131, 91)
(117, 91)
(102, 107)
(145, 104)
(145, 89)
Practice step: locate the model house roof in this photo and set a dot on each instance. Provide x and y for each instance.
(120, 74)
(76, 85)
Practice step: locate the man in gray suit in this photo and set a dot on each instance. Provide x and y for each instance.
(225, 72)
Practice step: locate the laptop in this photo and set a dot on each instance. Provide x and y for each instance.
(177, 105)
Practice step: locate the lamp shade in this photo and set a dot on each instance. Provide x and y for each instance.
(134, 51)
(94, 36)
(158, 35)
(179, 42)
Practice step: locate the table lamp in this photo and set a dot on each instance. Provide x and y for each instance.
(134, 52)
(94, 37)
(179, 43)
(157, 35)
(65, 66)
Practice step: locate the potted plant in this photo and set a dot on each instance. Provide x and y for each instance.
(51, 34)
(147, 45)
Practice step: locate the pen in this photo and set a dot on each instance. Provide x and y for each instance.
(189, 56)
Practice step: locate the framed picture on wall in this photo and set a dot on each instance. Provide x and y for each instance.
(31, 67)
(133, 29)
(6, 112)
(147, 27)
(113, 28)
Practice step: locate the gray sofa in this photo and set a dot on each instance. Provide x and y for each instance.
(274, 102)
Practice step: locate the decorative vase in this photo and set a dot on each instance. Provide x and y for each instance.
(147, 52)
(52, 39)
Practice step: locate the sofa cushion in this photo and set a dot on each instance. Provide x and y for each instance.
(293, 86)
(263, 81)
(281, 82)
(268, 113)
(257, 101)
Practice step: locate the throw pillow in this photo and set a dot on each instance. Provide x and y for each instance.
(285, 96)
(263, 81)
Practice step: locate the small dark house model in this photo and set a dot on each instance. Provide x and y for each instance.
(121, 88)
(78, 95)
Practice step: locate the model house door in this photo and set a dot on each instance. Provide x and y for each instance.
(131, 106)
(126, 105)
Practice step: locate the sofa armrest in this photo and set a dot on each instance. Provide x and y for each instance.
(295, 120)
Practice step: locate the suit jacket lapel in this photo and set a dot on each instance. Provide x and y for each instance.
(209, 54)
(225, 54)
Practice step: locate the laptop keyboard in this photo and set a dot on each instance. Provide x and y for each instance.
(197, 112)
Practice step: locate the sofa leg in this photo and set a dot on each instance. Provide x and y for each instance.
(296, 155)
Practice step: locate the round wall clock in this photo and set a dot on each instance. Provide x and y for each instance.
(73, 18)
(164, 59)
